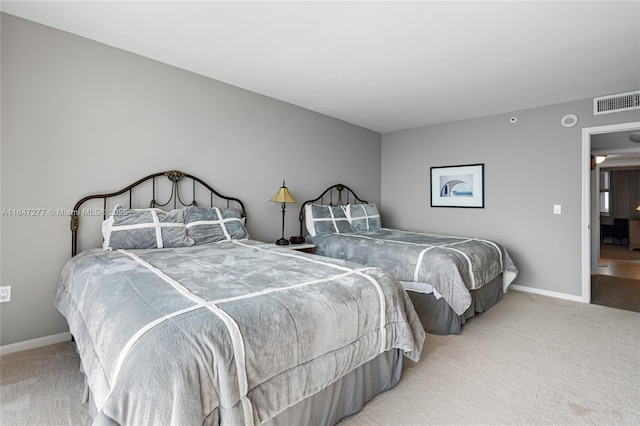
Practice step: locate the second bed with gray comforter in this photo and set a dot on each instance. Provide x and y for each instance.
(450, 265)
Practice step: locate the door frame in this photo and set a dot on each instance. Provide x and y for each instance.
(586, 196)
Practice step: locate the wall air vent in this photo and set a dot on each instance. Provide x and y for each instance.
(616, 103)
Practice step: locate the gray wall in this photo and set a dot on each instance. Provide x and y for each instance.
(529, 166)
(80, 117)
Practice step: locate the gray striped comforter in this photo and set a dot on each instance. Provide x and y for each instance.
(229, 333)
(452, 265)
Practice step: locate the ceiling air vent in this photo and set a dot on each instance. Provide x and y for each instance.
(616, 103)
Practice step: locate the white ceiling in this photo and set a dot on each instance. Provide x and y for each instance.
(381, 65)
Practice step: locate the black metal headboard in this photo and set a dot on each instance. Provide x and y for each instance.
(341, 193)
(174, 176)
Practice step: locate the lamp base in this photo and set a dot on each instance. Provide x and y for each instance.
(282, 242)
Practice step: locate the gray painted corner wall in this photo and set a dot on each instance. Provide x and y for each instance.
(79, 117)
(529, 166)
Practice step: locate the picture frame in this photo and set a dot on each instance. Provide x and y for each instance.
(458, 186)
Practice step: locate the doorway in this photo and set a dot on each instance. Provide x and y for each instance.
(590, 222)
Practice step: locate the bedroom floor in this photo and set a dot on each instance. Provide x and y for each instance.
(617, 284)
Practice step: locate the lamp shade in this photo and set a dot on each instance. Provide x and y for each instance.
(283, 195)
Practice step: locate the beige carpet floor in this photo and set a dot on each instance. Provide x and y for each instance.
(530, 360)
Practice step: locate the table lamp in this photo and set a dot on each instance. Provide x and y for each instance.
(282, 196)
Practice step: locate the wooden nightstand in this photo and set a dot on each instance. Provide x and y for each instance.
(307, 248)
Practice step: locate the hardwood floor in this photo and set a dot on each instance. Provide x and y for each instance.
(618, 281)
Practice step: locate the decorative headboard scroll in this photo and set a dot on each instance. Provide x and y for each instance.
(334, 191)
(174, 176)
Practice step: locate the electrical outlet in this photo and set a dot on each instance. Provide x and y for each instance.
(5, 294)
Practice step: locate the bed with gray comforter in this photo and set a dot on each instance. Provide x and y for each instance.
(449, 265)
(448, 278)
(235, 332)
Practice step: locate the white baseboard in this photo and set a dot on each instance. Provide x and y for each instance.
(548, 293)
(35, 343)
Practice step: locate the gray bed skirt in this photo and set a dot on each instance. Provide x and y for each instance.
(344, 397)
(438, 317)
(347, 395)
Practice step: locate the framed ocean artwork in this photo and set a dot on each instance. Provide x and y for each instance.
(458, 186)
